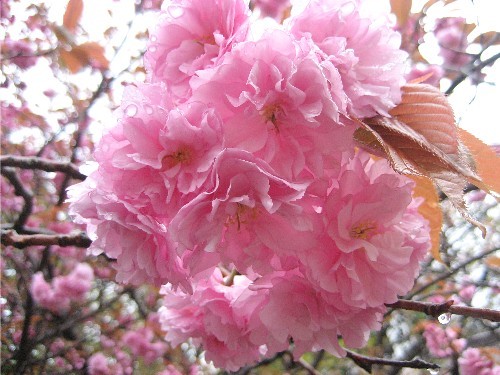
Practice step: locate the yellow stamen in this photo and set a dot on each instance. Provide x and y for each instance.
(364, 230)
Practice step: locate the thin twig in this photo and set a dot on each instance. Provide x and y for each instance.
(436, 309)
(21, 241)
(47, 165)
(22, 192)
(450, 273)
(366, 363)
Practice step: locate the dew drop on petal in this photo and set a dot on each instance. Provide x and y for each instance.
(131, 110)
(444, 318)
(153, 38)
(152, 49)
(148, 109)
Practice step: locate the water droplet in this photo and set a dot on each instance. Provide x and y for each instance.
(444, 318)
(434, 371)
(153, 38)
(131, 110)
(148, 109)
(152, 49)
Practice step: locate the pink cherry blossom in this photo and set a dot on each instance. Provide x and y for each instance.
(473, 362)
(140, 342)
(363, 51)
(207, 317)
(76, 284)
(272, 8)
(190, 35)
(250, 207)
(442, 342)
(20, 53)
(44, 294)
(278, 104)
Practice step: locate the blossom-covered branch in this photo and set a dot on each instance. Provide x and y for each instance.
(30, 162)
(366, 363)
(436, 309)
(21, 241)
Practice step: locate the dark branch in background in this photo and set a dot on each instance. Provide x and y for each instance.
(20, 191)
(366, 363)
(474, 66)
(11, 238)
(436, 309)
(47, 165)
(451, 272)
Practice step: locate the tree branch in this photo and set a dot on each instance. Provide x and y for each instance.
(33, 162)
(22, 192)
(436, 309)
(20, 241)
(451, 272)
(366, 363)
(471, 69)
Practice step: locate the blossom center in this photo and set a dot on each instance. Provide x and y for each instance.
(243, 215)
(181, 156)
(364, 230)
(206, 39)
(270, 113)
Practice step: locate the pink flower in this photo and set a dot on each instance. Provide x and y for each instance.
(140, 342)
(207, 316)
(450, 33)
(191, 35)
(373, 238)
(46, 296)
(76, 284)
(473, 362)
(443, 342)
(98, 365)
(272, 8)
(277, 104)
(249, 208)
(364, 52)
(19, 53)
(435, 73)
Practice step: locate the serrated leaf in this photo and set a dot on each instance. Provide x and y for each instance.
(401, 8)
(72, 14)
(487, 162)
(430, 210)
(421, 138)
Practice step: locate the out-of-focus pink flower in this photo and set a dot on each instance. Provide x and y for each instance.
(363, 52)
(473, 362)
(20, 53)
(76, 284)
(46, 296)
(466, 293)
(442, 342)
(272, 8)
(451, 35)
(140, 342)
(191, 35)
(98, 365)
(434, 73)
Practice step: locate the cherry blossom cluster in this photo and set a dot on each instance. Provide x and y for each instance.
(57, 295)
(232, 179)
